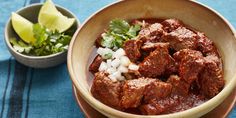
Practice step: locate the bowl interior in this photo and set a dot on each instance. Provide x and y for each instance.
(192, 14)
(31, 13)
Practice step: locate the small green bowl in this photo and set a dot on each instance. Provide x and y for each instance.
(31, 13)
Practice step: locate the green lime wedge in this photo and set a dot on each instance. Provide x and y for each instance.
(52, 19)
(23, 28)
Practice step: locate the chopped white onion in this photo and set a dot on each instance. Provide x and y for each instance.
(124, 60)
(100, 51)
(118, 53)
(104, 51)
(103, 66)
(121, 78)
(123, 69)
(109, 63)
(118, 64)
(117, 74)
(113, 78)
(133, 66)
(111, 70)
(115, 63)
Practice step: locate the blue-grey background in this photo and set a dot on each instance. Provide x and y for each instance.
(47, 93)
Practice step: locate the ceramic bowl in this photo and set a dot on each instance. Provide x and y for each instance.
(31, 13)
(192, 13)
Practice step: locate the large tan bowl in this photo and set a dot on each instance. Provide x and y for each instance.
(191, 13)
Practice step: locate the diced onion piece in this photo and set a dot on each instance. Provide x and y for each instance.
(109, 63)
(111, 70)
(104, 51)
(118, 53)
(103, 66)
(100, 51)
(115, 63)
(133, 66)
(124, 60)
(113, 78)
(121, 78)
(122, 69)
(117, 74)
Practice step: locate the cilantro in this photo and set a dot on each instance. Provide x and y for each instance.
(107, 40)
(133, 31)
(20, 46)
(47, 42)
(119, 26)
(119, 31)
(108, 56)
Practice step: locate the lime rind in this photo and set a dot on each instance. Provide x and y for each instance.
(52, 19)
(23, 28)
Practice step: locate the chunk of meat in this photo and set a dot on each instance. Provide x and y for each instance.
(133, 91)
(211, 79)
(172, 67)
(157, 90)
(180, 87)
(181, 38)
(94, 66)
(171, 104)
(106, 91)
(98, 42)
(132, 49)
(191, 62)
(155, 107)
(152, 33)
(132, 74)
(216, 59)
(155, 64)
(149, 46)
(205, 45)
(171, 24)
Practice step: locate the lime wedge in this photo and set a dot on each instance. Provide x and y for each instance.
(23, 28)
(52, 19)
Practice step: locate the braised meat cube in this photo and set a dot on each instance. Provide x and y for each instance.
(98, 41)
(205, 45)
(152, 33)
(133, 91)
(149, 46)
(172, 67)
(155, 107)
(155, 64)
(215, 59)
(132, 49)
(132, 74)
(180, 87)
(211, 79)
(106, 91)
(181, 38)
(191, 62)
(149, 109)
(171, 24)
(157, 90)
(94, 66)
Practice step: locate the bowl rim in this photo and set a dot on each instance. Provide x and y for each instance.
(10, 47)
(104, 109)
